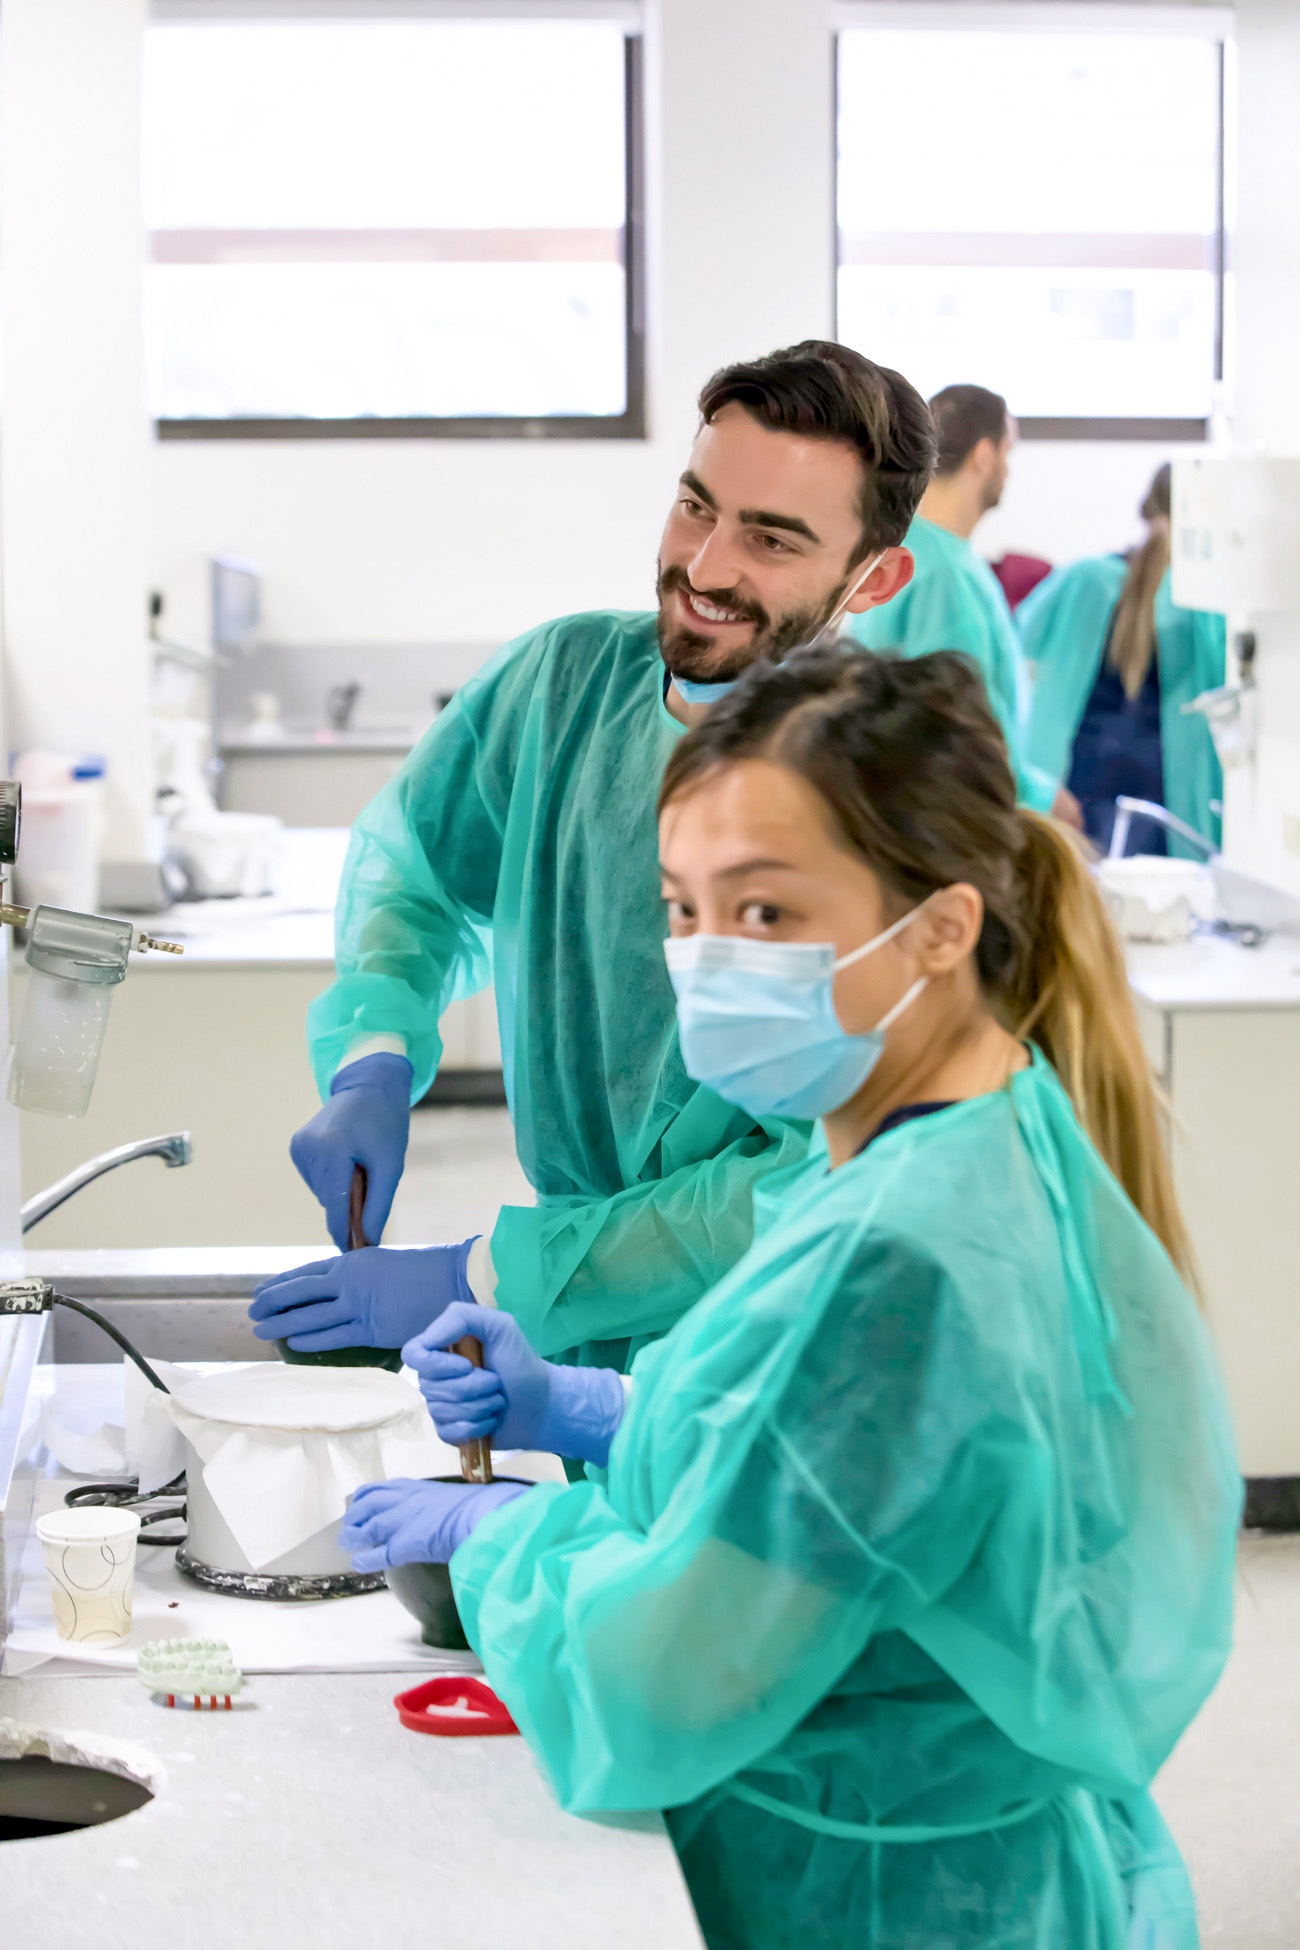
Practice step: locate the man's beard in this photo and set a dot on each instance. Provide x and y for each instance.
(690, 654)
(993, 491)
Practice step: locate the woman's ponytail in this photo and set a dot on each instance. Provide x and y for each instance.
(1069, 993)
(1133, 631)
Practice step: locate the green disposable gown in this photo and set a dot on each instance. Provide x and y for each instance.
(1065, 622)
(955, 602)
(913, 1560)
(518, 843)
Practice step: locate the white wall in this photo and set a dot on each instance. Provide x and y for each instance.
(399, 542)
(74, 470)
(409, 541)
(402, 541)
(1266, 254)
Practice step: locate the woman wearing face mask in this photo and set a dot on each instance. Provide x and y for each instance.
(913, 1553)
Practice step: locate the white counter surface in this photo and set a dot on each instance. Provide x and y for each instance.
(292, 927)
(1216, 972)
(310, 1816)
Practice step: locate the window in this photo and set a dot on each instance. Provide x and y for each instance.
(405, 225)
(1039, 211)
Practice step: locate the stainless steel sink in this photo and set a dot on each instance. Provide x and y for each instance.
(178, 1304)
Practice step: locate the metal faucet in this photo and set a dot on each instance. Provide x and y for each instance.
(173, 1148)
(1127, 809)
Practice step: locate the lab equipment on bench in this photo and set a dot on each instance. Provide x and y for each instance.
(1153, 898)
(317, 1434)
(76, 960)
(219, 1439)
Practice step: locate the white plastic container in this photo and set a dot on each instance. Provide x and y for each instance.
(90, 1562)
(1156, 899)
(63, 831)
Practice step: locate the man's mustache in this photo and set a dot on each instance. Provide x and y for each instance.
(674, 577)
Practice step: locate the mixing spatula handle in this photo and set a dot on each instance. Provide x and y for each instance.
(475, 1456)
(356, 1208)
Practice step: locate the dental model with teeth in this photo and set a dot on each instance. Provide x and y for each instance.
(526, 819)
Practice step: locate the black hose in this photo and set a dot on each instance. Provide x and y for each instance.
(132, 1354)
(126, 1496)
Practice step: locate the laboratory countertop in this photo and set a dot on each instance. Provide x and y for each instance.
(164, 1272)
(1216, 972)
(288, 743)
(291, 927)
(310, 1815)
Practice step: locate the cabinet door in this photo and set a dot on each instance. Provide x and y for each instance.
(1235, 1089)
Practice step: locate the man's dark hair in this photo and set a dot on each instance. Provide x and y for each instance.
(963, 416)
(825, 391)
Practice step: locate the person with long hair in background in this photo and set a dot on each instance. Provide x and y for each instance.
(909, 1553)
(1115, 661)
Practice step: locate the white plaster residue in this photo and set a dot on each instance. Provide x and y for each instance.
(75, 1749)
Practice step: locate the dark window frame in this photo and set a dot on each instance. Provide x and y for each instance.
(628, 425)
(1159, 431)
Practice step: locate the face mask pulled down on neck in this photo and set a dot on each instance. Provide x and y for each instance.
(692, 692)
(757, 1021)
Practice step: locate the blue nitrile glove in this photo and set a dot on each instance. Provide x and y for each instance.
(366, 1122)
(377, 1296)
(411, 1520)
(518, 1399)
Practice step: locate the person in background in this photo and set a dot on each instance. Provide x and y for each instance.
(1115, 662)
(1018, 575)
(954, 601)
(518, 845)
(913, 1555)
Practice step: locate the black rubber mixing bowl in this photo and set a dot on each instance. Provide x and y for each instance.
(425, 1590)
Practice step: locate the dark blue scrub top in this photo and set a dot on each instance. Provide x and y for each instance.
(1117, 749)
(904, 1115)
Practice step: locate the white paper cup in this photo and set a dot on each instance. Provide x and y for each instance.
(90, 1562)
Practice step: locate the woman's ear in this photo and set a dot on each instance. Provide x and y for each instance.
(949, 928)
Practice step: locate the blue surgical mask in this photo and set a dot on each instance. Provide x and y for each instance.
(757, 1021)
(692, 693)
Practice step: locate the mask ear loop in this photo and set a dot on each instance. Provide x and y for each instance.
(847, 598)
(877, 940)
(888, 1021)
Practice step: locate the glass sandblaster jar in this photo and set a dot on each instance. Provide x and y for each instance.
(75, 962)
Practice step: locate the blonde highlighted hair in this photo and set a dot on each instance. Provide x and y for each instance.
(1070, 994)
(1133, 625)
(912, 764)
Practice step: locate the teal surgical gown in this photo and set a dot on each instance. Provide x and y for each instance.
(955, 602)
(913, 1560)
(1066, 625)
(518, 844)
